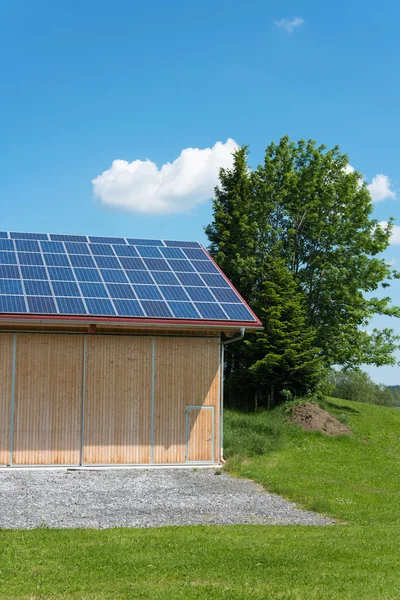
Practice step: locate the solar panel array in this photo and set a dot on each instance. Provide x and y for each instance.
(109, 276)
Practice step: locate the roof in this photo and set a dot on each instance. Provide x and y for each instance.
(130, 280)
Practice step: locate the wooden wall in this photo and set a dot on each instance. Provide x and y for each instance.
(186, 374)
(126, 403)
(6, 350)
(118, 400)
(48, 399)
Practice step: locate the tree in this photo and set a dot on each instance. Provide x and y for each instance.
(284, 354)
(358, 386)
(305, 206)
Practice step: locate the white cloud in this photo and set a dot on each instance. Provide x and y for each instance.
(395, 237)
(289, 25)
(349, 169)
(142, 187)
(379, 188)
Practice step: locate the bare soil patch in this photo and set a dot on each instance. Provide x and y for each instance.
(313, 418)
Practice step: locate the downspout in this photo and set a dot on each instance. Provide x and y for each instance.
(221, 414)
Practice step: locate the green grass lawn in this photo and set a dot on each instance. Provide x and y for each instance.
(355, 479)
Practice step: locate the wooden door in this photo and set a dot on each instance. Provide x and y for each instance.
(200, 433)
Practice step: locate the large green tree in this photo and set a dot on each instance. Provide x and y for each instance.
(304, 205)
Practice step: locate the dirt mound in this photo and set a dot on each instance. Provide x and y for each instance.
(313, 418)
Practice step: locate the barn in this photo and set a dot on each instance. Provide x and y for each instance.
(111, 350)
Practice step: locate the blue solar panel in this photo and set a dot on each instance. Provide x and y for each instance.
(11, 286)
(184, 310)
(93, 290)
(68, 238)
(79, 260)
(215, 280)
(137, 242)
(139, 277)
(173, 292)
(8, 258)
(66, 288)
(156, 264)
(190, 279)
(225, 295)
(204, 266)
(106, 240)
(106, 276)
(107, 262)
(37, 288)
(181, 244)
(87, 275)
(195, 254)
(3, 234)
(27, 245)
(28, 236)
(200, 294)
(59, 274)
(57, 247)
(165, 278)
(210, 310)
(71, 306)
(237, 312)
(172, 253)
(56, 260)
(120, 290)
(12, 304)
(77, 248)
(113, 276)
(147, 292)
(156, 309)
(32, 272)
(41, 305)
(128, 308)
(125, 251)
(149, 252)
(7, 245)
(98, 306)
(102, 249)
(30, 258)
(183, 266)
(133, 263)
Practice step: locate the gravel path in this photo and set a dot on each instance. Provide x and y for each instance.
(139, 498)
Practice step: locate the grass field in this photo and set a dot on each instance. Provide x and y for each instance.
(355, 479)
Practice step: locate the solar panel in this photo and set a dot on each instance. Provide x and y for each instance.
(56, 260)
(120, 290)
(149, 251)
(81, 260)
(93, 290)
(66, 288)
(8, 258)
(128, 308)
(41, 305)
(101, 249)
(71, 306)
(12, 304)
(11, 287)
(6, 245)
(30, 258)
(3, 234)
(108, 276)
(27, 245)
(37, 288)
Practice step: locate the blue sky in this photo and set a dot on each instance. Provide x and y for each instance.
(86, 83)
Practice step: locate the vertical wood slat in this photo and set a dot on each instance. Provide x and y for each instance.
(118, 400)
(186, 373)
(6, 352)
(48, 389)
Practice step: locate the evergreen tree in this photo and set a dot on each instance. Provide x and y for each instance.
(284, 355)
